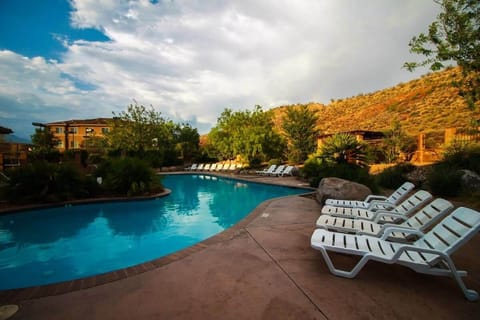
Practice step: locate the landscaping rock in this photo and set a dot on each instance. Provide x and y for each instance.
(470, 181)
(336, 188)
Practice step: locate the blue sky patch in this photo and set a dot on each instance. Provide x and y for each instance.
(79, 84)
(34, 28)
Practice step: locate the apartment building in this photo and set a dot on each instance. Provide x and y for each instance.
(74, 134)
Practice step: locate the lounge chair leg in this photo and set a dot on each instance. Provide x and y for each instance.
(470, 294)
(343, 273)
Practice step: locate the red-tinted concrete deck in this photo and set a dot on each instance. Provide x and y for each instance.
(266, 269)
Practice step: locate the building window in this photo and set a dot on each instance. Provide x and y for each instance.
(105, 130)
(89, 131)
(60, 144)
(59, 130)
(73, 130)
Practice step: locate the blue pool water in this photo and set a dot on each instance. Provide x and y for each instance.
(51, 245)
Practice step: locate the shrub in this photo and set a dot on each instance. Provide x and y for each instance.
(69, 182)
(393, 177)
(315, 169)
(31, 183)
(343, 148)
(463, 157)
(445, 180)
(311, 170)
(126, 176)
(45, 182)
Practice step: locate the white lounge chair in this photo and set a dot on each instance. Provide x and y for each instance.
(207, 167)
(213, 167)
(430, 254)
(277, 171)
(404, 209)
(372, 200)
(288, 171)
(193, 167)
(267, 171)
(420, 221)
(200, 167)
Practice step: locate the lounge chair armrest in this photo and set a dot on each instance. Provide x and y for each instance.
(375, 197)
(380, 214)
(374, 204)
(393, 228)
(409, 247)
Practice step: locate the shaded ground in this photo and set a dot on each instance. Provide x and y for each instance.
(266, 269)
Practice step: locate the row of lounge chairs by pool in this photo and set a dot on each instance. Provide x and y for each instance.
(278, 171)
(418, 233)
(214, 167)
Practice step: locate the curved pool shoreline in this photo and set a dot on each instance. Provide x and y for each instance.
(15, 295)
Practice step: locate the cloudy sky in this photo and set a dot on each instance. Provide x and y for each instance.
(190, 59)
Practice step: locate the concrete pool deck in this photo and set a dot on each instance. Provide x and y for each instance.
(264, 268)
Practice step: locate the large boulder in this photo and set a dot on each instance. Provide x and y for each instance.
(336, 188)
(470, 181)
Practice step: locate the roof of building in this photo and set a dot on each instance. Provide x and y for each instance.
(367, 135)
(77, 122)
(4, 130)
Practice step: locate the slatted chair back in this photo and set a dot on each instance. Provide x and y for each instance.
(400, 193)
(451, 233)
(413, 202)
(429, 215)
(279, 170)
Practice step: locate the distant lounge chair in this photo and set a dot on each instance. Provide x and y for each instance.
(268, 171)
(288, 171)
(219, 167)
(193, 167)
(277, 171)
(420, 221)
(430, 254)
(200, 167)
(401, 211)
(226, 167)
(213, 167)
(395, 198)
(207, 167)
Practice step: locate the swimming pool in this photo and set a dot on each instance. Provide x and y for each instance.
(46, 246)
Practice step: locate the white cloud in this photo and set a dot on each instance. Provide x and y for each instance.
(191, 59)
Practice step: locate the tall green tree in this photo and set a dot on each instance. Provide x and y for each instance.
(138, 129)
(187, 141)
(45, 145)
(300, 126)
(454, 36)
(247, 133)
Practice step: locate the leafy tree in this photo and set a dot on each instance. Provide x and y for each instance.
(44, 145)
(300, 127)
(138, 129)
(187, 141)
(249, 134)
(396, 142)
(454, 36)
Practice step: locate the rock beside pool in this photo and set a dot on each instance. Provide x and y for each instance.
(336, 188)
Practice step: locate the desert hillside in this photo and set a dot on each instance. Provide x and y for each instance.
(428, 104)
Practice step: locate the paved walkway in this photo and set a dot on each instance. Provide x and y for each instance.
(266, 269)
